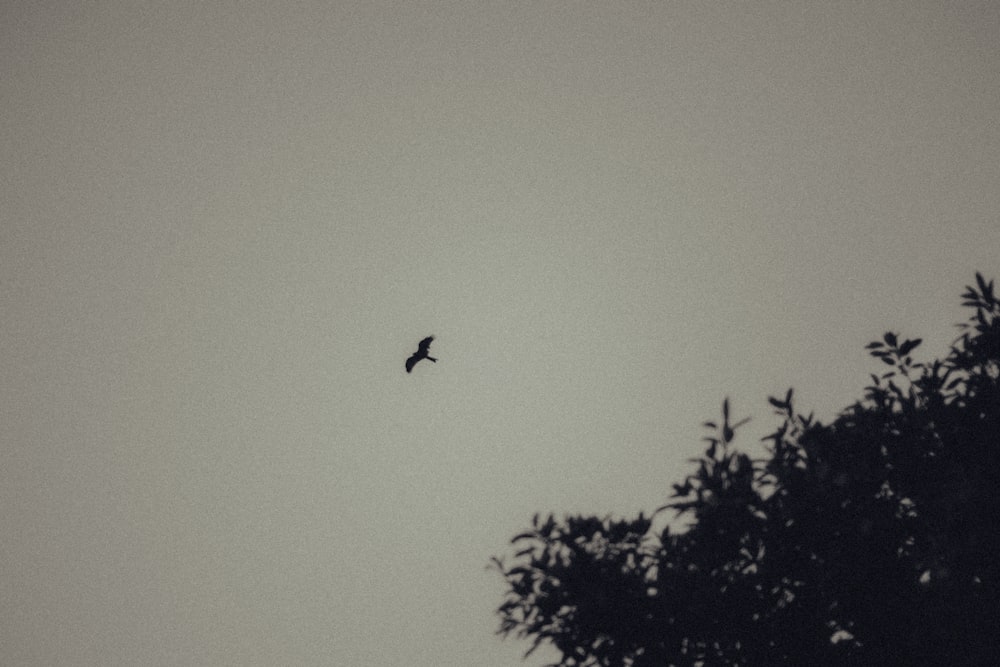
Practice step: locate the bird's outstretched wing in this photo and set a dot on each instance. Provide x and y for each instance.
(411, 362)
(424, 346)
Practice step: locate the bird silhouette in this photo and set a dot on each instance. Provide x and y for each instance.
(421, 353)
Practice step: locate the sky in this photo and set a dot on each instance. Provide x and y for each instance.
(224, 227)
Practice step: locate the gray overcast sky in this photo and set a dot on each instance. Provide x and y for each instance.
(224, 226)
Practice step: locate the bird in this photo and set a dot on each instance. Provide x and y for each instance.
(421, 353)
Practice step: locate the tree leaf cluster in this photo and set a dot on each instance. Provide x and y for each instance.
(870, 540)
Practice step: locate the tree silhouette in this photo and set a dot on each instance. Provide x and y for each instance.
(871, 540)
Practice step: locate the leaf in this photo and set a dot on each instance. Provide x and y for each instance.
(776, 403)
(710, 424)
(887, 360)
(873, 345)
(788, 396)
(890, 338)
(983, 288)
(776, 436)
(910, 345)
(725, 408)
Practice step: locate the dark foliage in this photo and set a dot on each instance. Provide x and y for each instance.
(871, 540)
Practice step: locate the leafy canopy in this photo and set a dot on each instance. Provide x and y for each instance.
(871, 540)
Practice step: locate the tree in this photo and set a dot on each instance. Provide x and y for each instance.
(871, 540)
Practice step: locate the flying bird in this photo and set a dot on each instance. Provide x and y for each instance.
(421, 353)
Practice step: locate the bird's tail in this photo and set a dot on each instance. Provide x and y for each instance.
(431, 359)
